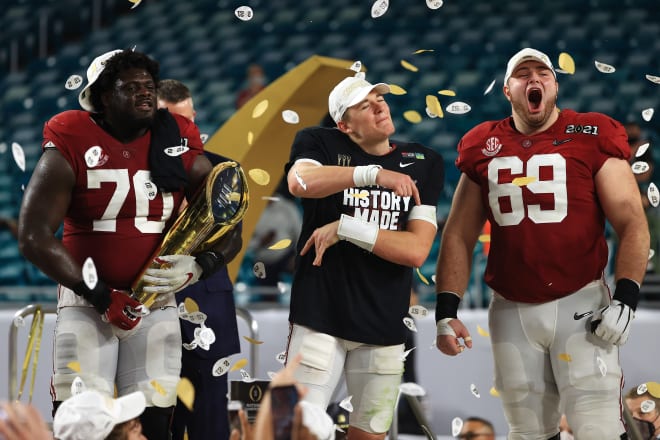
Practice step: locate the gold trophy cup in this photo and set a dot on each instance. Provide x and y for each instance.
(215, 209)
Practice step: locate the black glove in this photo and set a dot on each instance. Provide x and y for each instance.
(99, 297)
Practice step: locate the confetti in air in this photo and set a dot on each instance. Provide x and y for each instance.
(490, 87)
(244, 13)
(379, 8)
(647, 114)
(260, 109)
(397, 90)
(408, 66)
(186, 392)
(290, 117)
(642, 149)
(456, 426)
(434, 4)
(221, 366)
(604, 68)
(346, 404)
(259, 176)
(282, 244)
(19, 155)
(412, 116)
(73, 82)
(566, 63)
(89, 273)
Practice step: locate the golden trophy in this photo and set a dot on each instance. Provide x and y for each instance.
(215, 209)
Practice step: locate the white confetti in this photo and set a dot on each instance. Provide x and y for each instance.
(605, 68)
(418, 311)
(653, 78)
(191, 346)
(150, 190)
(356, 66)
(346, 404)
(73, 82)
(642, 388)
(3, 147)
(433, 278)
(93, 156)
(412, 389)
(204, 137)
(290, 117)
(206, 335)
(281, 287)
(456, 426)
(430, 114)
(245, 376)
(271, 374)
(221, 366)
(458, 108)
(259, 270)
(19, 155)
(490, 87)
(651, 253)
(601, 366)
(653, 194)
(19, 322)
(89, 273)
(647, 114)
(270, 198)
(195, 317)
(474, 391)
(281, 357)
(360, 75)
(300, 181)
(77, 386)
(135, 3)
(379, 8)
(176, 151)
(640, 167)
(642, 149)
(244, 13)
(434, 4)
(410, 324)
(406, 353)
(647, 406)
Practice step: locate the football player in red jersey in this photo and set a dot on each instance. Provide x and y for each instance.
(115, 174)
(547, 180)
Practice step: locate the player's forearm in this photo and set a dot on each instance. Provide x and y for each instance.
(405, 247)
(51, 257)
(315, 181)
(633, 251)
(452, 272)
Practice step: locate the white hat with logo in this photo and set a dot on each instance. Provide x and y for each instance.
(527, 54)
(349, 92)
(93, 72)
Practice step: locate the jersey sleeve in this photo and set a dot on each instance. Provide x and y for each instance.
(306, 145)
(189, 131)
(612, 141)
(55, 135)
(466, 160)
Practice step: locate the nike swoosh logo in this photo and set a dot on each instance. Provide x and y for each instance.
(577, 316)
(403, 165)
(563, 141)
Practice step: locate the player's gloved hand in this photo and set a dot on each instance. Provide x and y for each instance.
(176, 273)
(111, 304)
(119, 313)
(612, 322)
(449, 327)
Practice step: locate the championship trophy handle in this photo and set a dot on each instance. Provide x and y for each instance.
(217, 207)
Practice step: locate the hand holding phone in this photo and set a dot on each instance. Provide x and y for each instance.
(283, 401)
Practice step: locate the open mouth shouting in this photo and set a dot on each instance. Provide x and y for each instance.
(534, 99)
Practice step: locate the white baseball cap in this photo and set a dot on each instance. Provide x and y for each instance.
(93, 72)
(527, 54)
(91, 415)
(349, 92)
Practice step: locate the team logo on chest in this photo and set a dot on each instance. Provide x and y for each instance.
(493, 146)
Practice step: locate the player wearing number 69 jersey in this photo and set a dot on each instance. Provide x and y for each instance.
(547, 180)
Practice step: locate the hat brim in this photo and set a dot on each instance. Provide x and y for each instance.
(85, 98)
(130, 406)
(381, 88)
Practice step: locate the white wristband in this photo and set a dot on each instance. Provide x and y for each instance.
(358, 232)
(365, 175)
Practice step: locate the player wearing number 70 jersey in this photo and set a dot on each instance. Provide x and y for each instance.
(116, 174)
(547, 180)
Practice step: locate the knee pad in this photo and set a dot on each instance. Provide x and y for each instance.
(156, 422)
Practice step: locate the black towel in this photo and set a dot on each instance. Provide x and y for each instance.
(167, 172)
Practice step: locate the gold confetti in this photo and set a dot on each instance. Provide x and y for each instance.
(252, 340)
(135, 3)
(397, 90)
(282, 244)
(653, 389)
(250, 137)
(408, 66)
(522, 181)
(260, 109)
(74, 365)
(186, 392)
(484, 238)
(565, 357)
(446, 92)
(434, 105)
(239, 364)
(422, 277)
(494, 392)
(482, 332)
(412, 116)
(361, 195)
(566, 63)
(190, 305)
(158, 387)
(418, 51)
(260, 177)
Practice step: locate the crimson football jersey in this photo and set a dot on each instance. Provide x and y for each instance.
(547, 237)
(117, 216)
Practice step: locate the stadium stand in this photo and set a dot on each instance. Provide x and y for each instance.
(203, 44)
